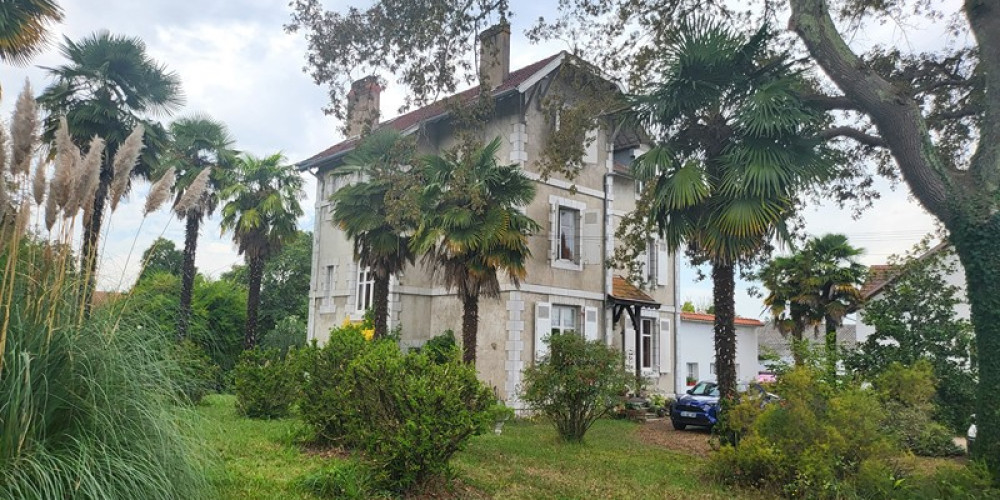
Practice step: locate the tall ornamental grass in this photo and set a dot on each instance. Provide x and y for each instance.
(88, 405)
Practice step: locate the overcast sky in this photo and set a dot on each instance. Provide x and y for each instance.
(238, 66)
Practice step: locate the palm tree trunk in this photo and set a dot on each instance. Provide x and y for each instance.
(381, 305)
(723, 288)
(256, 270)
(831, 349)
(92, 235)
(470, 327)
(798, 330)
(187, 274)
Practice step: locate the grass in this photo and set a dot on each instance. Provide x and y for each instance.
(263, 460)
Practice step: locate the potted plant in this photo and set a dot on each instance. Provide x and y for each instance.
(691, 381)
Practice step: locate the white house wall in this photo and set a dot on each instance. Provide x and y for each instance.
(696, 344)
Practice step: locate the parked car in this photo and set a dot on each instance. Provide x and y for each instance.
(700, 406)
(970, 435)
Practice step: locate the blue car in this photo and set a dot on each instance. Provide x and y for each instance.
(700, 406)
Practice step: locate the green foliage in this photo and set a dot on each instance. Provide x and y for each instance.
(348, 480)
(914, 319)
(289, 333)
(321, 375)
(89, 409)
(442, 348)
(809, 443)
(263, 384)
(576, 384)
(411, 423)
(162, 256)
(906, 394)
(197, 376)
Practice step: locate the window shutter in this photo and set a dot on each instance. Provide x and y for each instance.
(590, 150)
(553, 232)
(543, 328)
(661, 263)
(590, 323)
(591, 237)
(663, 339)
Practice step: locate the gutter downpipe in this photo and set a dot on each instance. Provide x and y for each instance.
(609, 336)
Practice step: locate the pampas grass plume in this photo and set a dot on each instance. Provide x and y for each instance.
(159, 192)
(51, 212)
(191, 199)
(24, 131)
(126, 159)
(38, 183)
(63, 179)
(21, 222)
(90, 174)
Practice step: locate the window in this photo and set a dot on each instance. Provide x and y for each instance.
(330, 273)
(569, 234)
(639, 187)
(646, 337)
(564, 319)
(366, 289)
(692, 371)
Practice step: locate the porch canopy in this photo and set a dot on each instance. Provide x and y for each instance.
(627, 297)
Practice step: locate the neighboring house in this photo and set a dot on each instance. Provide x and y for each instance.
(696, 349)
(771, 341)
(568, 286)
(880, 277)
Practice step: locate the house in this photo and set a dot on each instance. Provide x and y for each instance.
(696, 349)
(881, 277)
(568, 286)
(771, 341)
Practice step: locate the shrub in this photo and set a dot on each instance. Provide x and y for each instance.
(197, 374)
(442, 348)
(809, 443)
(263, 384)
(577, 383)
(321, 375)
(409, 424)
(288, 333)
(906, 394)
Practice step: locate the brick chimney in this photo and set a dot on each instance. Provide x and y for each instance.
(494, 55)
(363, 105)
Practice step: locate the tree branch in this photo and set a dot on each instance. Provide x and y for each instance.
(984, 19)
(896, 115)
(853, 133)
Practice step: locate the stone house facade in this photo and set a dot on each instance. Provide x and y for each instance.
(568, 284)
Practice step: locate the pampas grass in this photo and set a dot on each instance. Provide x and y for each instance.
(63, 180)
(159, 192)
(38, 183)
(24, 131)
(126, 158)
(191, 199)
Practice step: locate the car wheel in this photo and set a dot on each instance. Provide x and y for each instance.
(678, 426)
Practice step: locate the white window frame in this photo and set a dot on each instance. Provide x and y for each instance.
(574, 245)
(364, 290)
(559, 204)
(560, 312)
(692, 371)
(647, 332)
(331, 277)
(651, 262)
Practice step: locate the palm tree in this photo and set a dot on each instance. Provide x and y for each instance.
(472, 228)
(262, 205)
(198, 144)
(108, 88)
(24, 28)
(735, 145)
(374, 215)
(819, 284)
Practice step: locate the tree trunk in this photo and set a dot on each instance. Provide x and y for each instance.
(470, 327)
(798, 331)
(980, 255)
(723, 288)
(832, 356)
(92, 236)
(256, 270)
(381, 305)
(187, 275)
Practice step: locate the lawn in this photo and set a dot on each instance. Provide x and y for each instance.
(263, 460)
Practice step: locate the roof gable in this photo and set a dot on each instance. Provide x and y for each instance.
(439, 108)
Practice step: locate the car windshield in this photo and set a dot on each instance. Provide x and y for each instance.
(705, 389)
